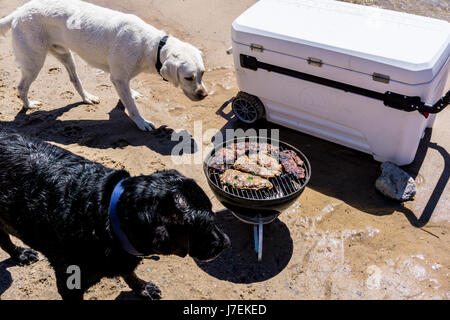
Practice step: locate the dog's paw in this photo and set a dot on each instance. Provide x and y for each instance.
(26, 256)
(91, 99)
(33, 105)
(144, 125)
(151, 291)
(136, 95)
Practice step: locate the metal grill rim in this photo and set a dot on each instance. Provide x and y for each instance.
(284, 185)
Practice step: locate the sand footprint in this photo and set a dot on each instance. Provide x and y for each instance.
(54, 70)
(67, 95)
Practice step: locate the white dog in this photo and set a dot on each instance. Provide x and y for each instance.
(118, 43)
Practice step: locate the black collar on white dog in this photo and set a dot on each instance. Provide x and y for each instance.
(162, 43)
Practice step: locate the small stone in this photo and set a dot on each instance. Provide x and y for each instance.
(395, 183)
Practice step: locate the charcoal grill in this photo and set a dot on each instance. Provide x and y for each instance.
(258, 207)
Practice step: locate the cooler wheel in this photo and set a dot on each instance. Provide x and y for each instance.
(247, 108)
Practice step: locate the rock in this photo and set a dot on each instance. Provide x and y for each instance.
(395, 183)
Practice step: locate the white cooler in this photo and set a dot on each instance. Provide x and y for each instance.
(364, 77)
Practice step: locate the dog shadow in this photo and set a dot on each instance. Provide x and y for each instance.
(118, 131)
(5, 276)
(239, 264)
(350, 175)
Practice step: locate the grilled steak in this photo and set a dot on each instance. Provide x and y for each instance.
(246, 164)
(265, 160)
(221, 158)
(242, 148)
(263, 147)
(292, 163)
(241, 180)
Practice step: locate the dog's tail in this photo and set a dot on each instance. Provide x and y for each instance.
(5, 24)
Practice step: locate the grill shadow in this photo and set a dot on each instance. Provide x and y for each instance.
(5, 276)
(239, 264)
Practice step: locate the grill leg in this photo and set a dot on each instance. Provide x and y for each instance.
(255, 236)
(258, 235)
(260, 243)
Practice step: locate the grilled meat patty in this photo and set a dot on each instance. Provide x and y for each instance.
(241, 148)
(265, 160)
(244, 163)
(241, 180)
(221, 158)
(292, 163)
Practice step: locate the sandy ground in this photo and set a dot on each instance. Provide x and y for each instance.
(340, 240)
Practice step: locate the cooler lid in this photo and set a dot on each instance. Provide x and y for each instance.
(408, 48)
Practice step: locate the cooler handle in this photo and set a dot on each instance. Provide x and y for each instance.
(390, 99)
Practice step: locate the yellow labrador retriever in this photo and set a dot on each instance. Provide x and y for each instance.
(118, 43)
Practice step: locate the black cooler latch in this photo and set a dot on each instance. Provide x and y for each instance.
(409, 104)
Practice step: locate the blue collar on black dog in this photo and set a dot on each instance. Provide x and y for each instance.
(115, 223)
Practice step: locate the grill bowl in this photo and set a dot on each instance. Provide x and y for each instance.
(250, 203)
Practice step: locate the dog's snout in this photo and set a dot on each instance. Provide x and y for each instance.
(201, 94)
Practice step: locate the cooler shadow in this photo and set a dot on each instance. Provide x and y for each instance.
(350, 175)
(239, 264)
(5, 275)
(438, 190)
(117, 132)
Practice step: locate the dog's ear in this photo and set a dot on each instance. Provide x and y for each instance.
(169, 70)
(174, 207)
(180, 202)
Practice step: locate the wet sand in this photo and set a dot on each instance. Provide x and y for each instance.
(340, 240)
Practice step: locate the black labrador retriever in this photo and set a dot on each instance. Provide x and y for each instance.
(86, 217)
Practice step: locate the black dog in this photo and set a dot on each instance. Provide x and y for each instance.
(80, 213)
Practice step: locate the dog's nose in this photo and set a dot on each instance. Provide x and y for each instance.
(201, 94)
